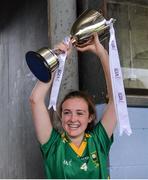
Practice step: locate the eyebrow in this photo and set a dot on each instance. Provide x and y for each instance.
(78, 110)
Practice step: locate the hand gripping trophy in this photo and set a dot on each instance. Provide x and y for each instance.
(43, 62)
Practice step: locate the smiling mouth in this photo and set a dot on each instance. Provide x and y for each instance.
(73, 125)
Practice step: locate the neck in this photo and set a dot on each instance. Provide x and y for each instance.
(77, 140)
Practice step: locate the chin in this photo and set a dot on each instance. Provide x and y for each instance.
(74, 134)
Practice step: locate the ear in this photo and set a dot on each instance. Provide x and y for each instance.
(90, 118)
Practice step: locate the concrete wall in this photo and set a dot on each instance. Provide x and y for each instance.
(23, 27)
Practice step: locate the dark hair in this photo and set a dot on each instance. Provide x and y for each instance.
(89, 101)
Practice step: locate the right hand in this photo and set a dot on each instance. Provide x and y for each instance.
(94, 46)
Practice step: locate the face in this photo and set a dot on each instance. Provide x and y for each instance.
(75, 117)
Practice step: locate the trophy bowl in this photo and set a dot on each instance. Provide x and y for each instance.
(87, 23)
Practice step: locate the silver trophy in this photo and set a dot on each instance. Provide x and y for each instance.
(43, 62)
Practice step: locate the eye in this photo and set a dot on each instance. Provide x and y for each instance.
(66, 113)
(80, 113)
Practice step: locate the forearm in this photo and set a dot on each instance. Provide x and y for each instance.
(109, 116)
(40, 91)
(104, 58)
(41, 118)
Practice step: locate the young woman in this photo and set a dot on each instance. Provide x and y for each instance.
(82, 150)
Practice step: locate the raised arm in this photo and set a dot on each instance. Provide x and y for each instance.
(41, 117)
(109, 117)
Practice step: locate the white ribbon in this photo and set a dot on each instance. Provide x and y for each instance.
(58, 78)
(118, 86)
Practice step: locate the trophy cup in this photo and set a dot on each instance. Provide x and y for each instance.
(43, 62)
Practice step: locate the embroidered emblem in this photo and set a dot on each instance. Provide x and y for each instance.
(84, 167)
(94, 156)
(95, 159)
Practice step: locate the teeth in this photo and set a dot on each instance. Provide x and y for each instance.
(74, 125)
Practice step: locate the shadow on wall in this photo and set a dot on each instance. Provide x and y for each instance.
(8, 11)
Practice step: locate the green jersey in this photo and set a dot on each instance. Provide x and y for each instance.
(63, 160)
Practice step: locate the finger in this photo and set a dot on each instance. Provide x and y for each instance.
(62, 46)
(96, 38)
(81, 49)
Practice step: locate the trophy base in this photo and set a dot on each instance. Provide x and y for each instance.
(38, 66)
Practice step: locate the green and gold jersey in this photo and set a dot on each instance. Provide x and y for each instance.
(63, 160)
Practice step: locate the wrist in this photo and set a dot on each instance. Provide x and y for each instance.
(102, 53)
(100, 50)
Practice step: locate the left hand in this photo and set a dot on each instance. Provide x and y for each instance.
(63, 47)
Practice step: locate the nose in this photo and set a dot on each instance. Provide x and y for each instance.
(73, 117)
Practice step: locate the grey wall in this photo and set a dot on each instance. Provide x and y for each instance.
(128, 158)
(129, 154)
(23, 27)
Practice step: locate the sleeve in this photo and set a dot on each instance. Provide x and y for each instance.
(103, 138)
(50, 145)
